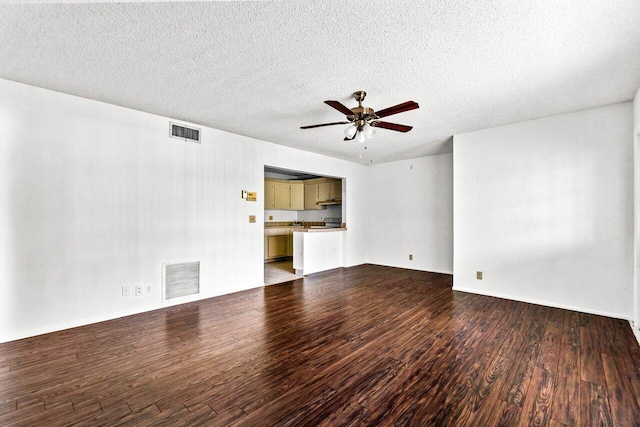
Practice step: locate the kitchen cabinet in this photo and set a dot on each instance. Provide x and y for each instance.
(278, 246)
(324, 191)
(269, 195)
(283, 195)
(336, 189)
(311, 197)
(297, 196)
(331, 190)
(321, 191)
(278, 242)
(300, 195)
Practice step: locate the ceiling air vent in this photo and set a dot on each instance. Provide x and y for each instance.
(186, 133)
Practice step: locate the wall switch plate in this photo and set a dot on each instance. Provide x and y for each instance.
(252, 218)
(479, 275)
(126, 290)
(148, 289)
(138, 290)
(244, 194)
(410, 257)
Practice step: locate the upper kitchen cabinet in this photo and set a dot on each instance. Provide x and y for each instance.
(283, 195)
(311, 196)
(269, 195)
(330, 191)
(319, 193)
(297, 196)
(301, 195)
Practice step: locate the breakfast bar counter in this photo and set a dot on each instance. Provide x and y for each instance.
(317, 249)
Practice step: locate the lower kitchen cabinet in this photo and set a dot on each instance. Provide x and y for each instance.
(278, 242)
(278, 246)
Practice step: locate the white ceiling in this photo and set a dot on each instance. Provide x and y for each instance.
(263, 69)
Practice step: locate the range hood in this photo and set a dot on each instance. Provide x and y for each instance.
(330, 202)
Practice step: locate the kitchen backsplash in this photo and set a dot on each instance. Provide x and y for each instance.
(307, 216)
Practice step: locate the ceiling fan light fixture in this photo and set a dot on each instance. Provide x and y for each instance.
(361, 137)
(368, 130)
(350, 131)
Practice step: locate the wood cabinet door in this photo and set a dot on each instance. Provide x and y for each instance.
(269, 195)
(283, 195)
(297, 196)
(324, 191)
(311, 197)
(336, 189)
(278, 246)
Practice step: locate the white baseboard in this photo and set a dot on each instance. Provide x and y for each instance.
(545, 303)
(118, 314)
(404, 267)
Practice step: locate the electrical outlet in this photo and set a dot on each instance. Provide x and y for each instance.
(479, 275)
(126, 290)
(410, 257)
(252, 219)
(270, 217)
(138, 290)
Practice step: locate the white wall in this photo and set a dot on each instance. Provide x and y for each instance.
(545, 209)
(411, 212)
(95, 196)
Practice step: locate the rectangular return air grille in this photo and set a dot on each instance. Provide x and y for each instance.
(181, 279)
(183, 132)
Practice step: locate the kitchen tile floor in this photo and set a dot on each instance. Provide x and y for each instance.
(279, 271)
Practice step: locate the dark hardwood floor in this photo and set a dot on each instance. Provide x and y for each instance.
(367, 345)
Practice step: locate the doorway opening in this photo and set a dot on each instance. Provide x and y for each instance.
(296, 200)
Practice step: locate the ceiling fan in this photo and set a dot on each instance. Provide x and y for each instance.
(362, 120)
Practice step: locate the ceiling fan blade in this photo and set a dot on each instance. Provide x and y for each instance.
(352, 138)
(392, 126)
(338, 106)
(400, 108)
(324, 124)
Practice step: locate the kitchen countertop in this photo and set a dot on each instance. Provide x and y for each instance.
(306, 229)
(314, 230)
(313, 227)
(276, 224)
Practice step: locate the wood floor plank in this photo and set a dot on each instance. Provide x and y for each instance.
(504, 414)
(367, 345)
(594, 403)
(591, 369)
(624, 408)
(548, 358)
(565, 408)
(536, 410)
(518, 379)
(482, 397)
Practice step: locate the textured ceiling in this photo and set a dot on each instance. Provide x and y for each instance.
(263, 69)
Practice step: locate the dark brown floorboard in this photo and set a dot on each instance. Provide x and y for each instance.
(367, 345)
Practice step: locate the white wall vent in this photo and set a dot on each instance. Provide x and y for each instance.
(180, 278)
(184, 132)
